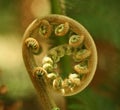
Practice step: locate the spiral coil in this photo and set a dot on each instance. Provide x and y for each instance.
(79, 46)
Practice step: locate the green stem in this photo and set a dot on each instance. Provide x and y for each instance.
(57, 7)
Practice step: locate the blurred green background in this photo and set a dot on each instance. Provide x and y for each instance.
(100, 18)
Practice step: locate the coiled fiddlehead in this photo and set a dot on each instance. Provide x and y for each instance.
(62, 29)
(78, 44)
(32, 44)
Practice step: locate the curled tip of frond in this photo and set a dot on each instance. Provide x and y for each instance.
(32, 44)
(62, 29)
(45, 29)
(76, 40)
(38, 72)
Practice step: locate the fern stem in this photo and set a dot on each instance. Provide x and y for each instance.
(58, 7)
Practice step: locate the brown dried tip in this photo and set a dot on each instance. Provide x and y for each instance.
(3, 89)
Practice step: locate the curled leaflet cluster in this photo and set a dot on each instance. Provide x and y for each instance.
(78, 44)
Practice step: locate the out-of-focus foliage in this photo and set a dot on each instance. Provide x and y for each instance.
(101, 19)
(9, 16)
(90, 100)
